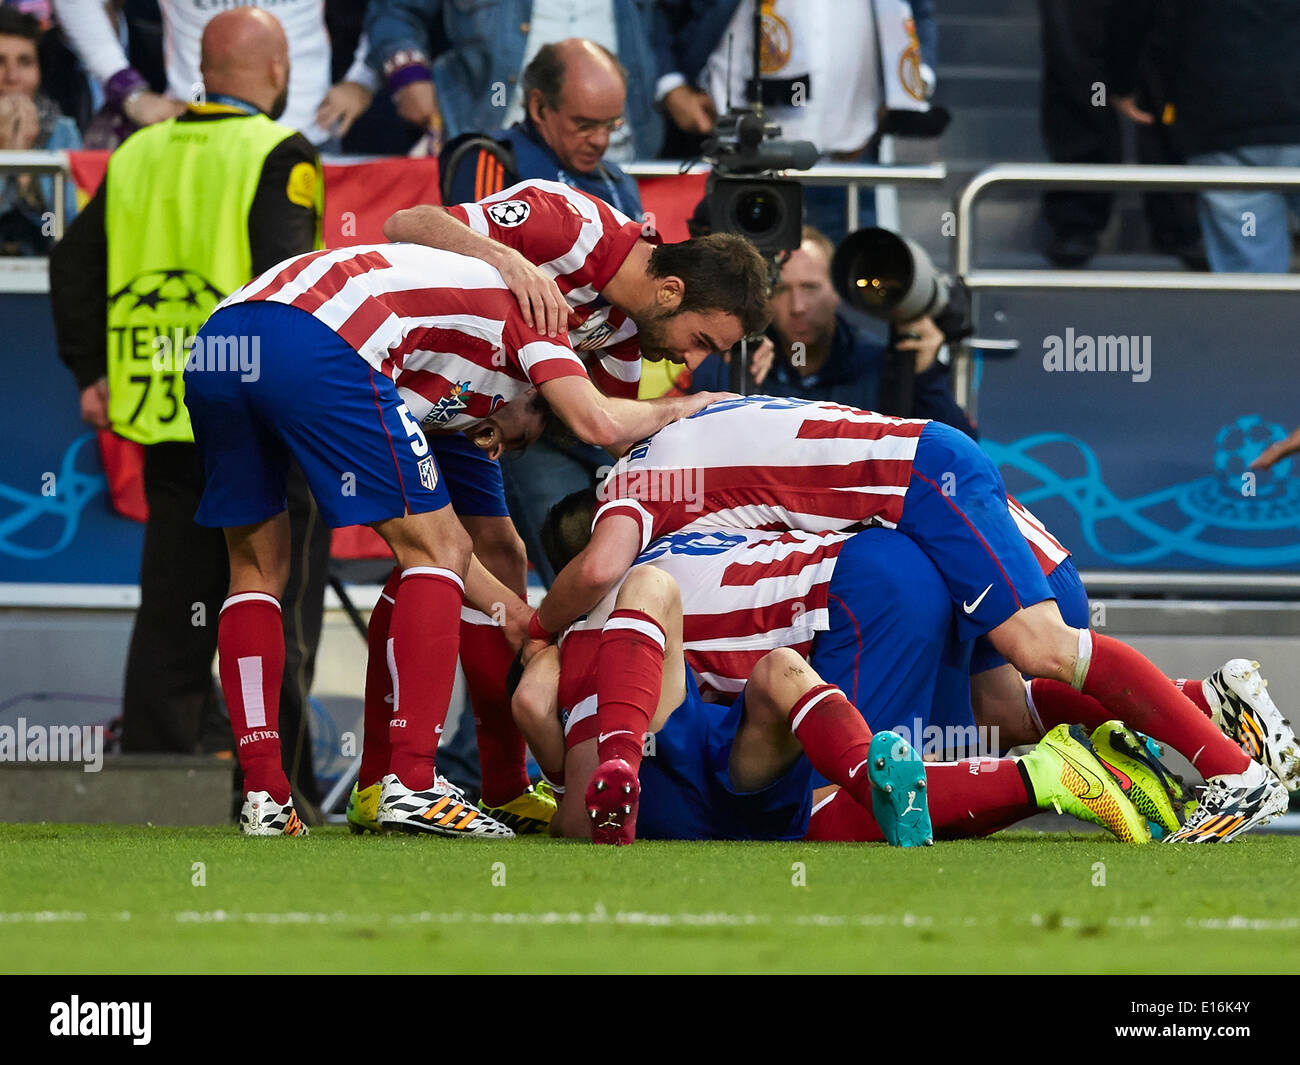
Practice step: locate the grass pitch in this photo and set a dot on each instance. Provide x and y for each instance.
(100, 899)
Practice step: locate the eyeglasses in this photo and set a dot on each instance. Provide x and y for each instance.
(584, 127)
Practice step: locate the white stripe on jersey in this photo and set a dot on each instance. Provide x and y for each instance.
(476, 218)
(1049, 549)
(540, 351)
(623, 369)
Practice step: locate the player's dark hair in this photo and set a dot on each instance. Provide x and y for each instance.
(537, 405)
(567, 527)
(514, 674)
(15, 23)
(546, 74)
(721, 272)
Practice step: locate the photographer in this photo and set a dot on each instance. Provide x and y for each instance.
(826, 351)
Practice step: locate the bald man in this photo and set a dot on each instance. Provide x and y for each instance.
(191, 209)
(574, 94)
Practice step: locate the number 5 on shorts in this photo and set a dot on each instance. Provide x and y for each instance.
(418, 443)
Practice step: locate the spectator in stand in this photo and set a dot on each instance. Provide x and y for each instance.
(314, 108)
(826, 351)
(575, 92)
(821, 80)
(28, 120)
(455, 68)
(1234, 100)
(1119, 45)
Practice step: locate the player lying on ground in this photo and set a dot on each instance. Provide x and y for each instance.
(870, 610)
(777, 463)
(552, 244)
(357, 350)
(738, 770)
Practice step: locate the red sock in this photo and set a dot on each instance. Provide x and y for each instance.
(250, 648)
(1057, 704)
(630, 673)
(423, 639)
(375, 749)
(971, 798)
(1137, 693)
(1194, 690)
(835, 738)
(485, 656)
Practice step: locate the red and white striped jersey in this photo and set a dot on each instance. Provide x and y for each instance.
(580, 241)
(806, 465)
(443, 326)
(1046, 547)
(744, 593)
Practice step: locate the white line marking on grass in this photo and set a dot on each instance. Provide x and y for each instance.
(599, 915)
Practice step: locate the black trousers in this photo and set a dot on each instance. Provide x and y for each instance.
(169, 700)
(1074, 38)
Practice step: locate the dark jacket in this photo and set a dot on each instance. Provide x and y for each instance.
(530, 157)
(855, 373)
(1234, 80)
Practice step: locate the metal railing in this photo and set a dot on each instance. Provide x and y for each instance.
(53, 164)
(851, 175)
(1091, 176)
(1095, 176)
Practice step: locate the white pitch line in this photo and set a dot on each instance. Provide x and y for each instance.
(599, 915)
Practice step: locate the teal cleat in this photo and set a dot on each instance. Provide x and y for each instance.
(898, 796)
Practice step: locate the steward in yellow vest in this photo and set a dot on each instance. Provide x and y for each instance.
(190, 209)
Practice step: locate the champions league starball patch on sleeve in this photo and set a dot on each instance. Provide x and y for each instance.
(509, 213)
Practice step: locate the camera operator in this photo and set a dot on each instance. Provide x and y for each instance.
(825, 350)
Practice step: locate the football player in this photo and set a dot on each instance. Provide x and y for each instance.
(359, 353)
(772, 463)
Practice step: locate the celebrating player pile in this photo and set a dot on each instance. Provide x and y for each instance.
(818, 467)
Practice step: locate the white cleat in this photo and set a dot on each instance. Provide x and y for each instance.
(1239, 699)
(441, 810)
(1233, 803)
(261, 815)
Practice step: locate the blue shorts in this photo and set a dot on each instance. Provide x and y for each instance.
(310, 397)
(890, 619)
(891, 637)
(473, 479)
(686, 789)
(1071, 600)
(956, 511)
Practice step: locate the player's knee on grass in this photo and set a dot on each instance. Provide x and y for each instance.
(651, 591)
(1038, 642)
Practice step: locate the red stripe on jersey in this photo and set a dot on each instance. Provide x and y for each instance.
(858, 430)
(362, 324)
(332, 281)
(738, 574)
(291, 270)
(492, 303)
(436, 338)
(434, 386)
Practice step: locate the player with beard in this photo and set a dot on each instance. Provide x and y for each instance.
(571, 261)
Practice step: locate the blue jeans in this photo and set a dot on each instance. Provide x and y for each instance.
(1245, 230)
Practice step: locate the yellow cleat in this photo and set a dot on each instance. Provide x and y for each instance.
(1064, 773)
(528, 814)
(363, 809)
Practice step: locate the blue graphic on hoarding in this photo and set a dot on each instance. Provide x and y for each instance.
(1237, 517)
(68, 493)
